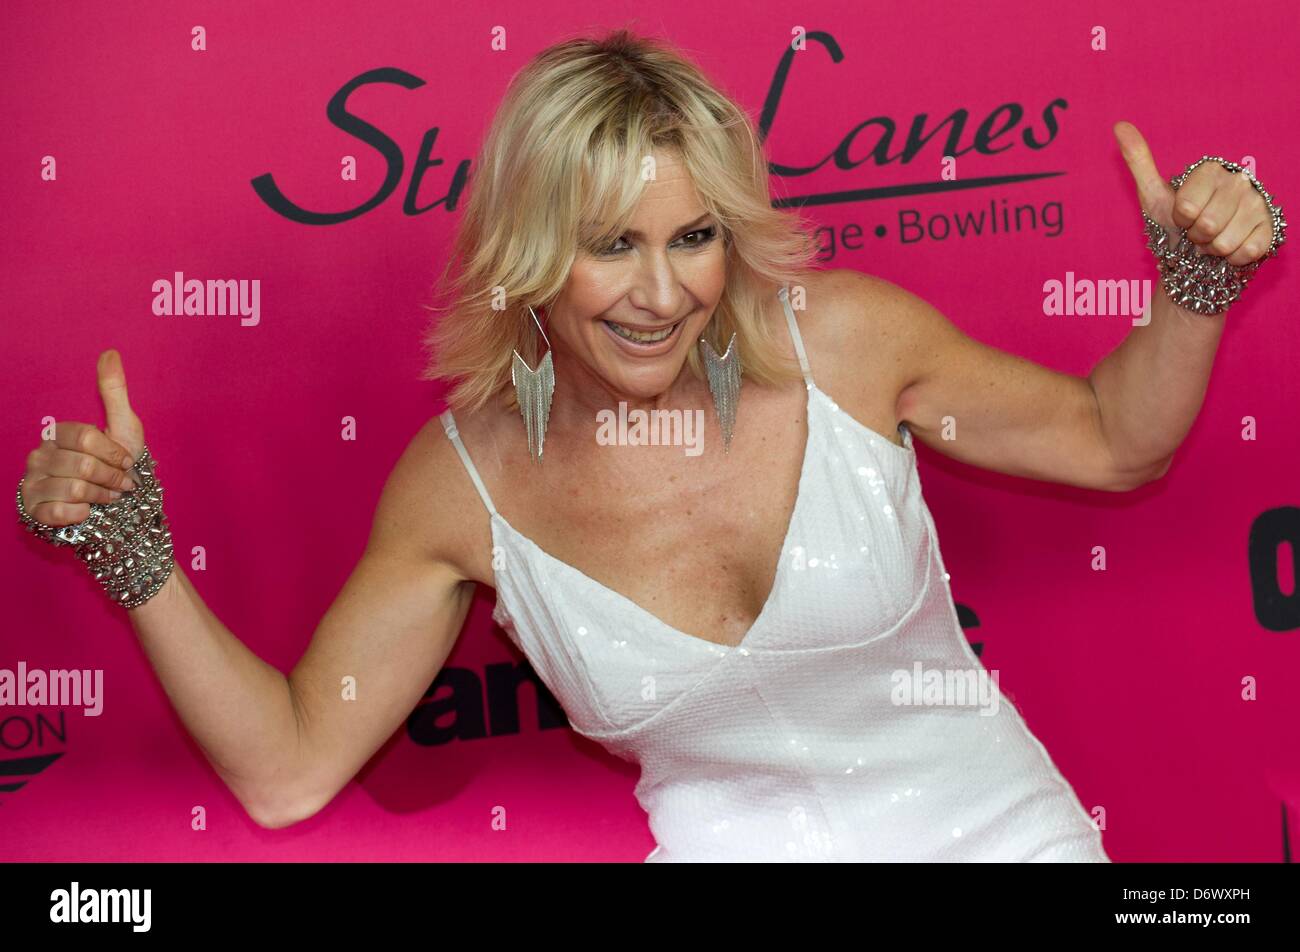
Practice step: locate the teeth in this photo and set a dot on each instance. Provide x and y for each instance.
(641, 337)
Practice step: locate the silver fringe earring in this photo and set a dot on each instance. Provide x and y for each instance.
(724, 383)
(533, 390)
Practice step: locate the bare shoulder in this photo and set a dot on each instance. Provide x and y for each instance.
(429, 508)
(864, 336)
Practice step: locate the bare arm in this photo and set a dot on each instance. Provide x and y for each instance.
(1151, 387)
(286, 745)
(1000, 411)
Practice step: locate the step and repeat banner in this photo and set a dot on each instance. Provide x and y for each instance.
(317, 155)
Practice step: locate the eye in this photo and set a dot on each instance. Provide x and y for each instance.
(703, 237)
(707, 235)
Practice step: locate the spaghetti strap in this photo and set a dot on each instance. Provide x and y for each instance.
(453, 433)
(784, 295)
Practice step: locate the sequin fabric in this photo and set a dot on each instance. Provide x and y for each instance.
(814, 739)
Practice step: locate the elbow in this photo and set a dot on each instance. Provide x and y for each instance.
(1127, 481)
(274, 814)
(276, 820)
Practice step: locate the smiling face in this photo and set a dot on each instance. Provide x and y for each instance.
(627, 317)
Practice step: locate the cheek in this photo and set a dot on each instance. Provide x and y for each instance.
(592, 293)
(712, 273)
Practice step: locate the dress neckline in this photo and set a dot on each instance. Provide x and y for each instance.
(905, 452)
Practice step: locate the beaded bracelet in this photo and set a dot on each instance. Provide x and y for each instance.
(1205, 283)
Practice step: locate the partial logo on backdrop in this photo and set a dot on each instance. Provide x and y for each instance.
(935, 144)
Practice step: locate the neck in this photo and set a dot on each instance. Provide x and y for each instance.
(580, 394)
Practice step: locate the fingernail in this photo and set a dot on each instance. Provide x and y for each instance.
(113, 494)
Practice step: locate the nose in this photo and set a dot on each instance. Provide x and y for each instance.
(657, 290)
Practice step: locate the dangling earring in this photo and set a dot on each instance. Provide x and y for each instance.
(533, 389)
(724, 383)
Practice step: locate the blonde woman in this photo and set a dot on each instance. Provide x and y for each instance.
(737, 595)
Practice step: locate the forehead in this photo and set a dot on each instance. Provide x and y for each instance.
(669, 198)
(630, 195)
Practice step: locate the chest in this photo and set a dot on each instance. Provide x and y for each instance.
(850, 566)
(695, 541)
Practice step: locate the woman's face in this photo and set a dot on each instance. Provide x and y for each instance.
(663, 276)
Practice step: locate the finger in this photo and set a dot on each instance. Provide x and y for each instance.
(71, 490)
(1231, 236)
(74, 465)
(1215, 216)
(1254, 246)
(1153, 191)
(58, 513)
(112, 390)
(88, 439)
(1195, 193)
(52, 512)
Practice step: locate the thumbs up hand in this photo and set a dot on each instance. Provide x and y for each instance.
(1223, 213)
(83, 464)
(124, 426)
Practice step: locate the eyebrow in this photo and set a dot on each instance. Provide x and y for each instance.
(631, 232)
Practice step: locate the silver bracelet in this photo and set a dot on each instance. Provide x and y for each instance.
(1204, 283)
(125, 544)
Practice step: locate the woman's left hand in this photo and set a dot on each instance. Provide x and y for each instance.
(1223, 213)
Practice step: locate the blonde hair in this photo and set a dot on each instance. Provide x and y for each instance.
(560, 170)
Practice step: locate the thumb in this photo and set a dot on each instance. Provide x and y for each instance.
(123, 425)
(1154, 193)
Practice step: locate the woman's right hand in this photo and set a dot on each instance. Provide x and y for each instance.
(83, 464)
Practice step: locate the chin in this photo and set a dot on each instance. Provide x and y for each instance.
(646, 383)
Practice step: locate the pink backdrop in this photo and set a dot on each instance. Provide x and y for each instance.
(1132, 677)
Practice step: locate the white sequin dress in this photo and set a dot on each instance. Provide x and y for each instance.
(852, 723)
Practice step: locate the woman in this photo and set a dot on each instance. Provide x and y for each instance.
(743, 595)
